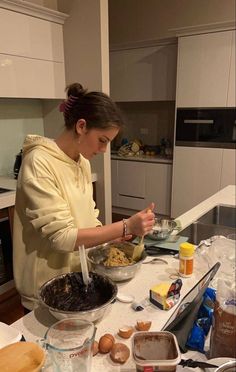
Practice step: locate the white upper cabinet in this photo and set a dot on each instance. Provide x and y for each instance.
(231, 101)
(31, 56)
(203, 70)
(143, 74)
(30, 37)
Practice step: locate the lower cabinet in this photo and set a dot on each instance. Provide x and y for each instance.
(198, 173)
(6, 269)
(228, 173)
(136, 184)
(158, 186)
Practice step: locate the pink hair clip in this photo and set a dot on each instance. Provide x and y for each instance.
(62, 106)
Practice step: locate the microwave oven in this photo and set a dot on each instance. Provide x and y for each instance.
(206, 127)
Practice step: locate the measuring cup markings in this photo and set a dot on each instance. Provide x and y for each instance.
(69, 345)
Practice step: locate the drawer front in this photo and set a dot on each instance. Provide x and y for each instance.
(131, 202)
(131, 179)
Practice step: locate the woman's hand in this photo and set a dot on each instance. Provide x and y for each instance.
(142, 222)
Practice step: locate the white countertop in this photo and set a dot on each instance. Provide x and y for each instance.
(144, 158)
(35, 324)
(7, 199)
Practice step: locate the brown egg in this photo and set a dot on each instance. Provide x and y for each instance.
(119, 353)
(105, 343)
(95, 348)
(142, 325)
(126, 331)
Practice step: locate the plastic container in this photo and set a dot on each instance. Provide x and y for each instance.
(186, 252)
(155, 351)
(8, 335)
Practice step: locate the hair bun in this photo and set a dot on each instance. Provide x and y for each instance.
(76, 90)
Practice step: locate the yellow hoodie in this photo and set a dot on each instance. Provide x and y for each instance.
(53, 199)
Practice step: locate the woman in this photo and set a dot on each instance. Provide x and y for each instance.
(54, 210)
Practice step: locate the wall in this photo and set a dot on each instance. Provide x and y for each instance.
(18, 117)
(53, 119)
(141, 20)
(157, 118)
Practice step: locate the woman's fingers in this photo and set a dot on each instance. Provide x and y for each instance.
(149, 209)
(142, 222)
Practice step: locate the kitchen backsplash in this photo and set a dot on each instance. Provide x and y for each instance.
(147, 121)
(18, 117)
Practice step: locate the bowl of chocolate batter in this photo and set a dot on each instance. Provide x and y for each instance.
(66, 296)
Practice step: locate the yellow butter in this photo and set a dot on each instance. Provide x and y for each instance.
(161, 289)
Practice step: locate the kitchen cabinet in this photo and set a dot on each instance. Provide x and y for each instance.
(143, 73)
(128, 184)
(136, 184)
(206, 71)
(196, 176)
(158, 186)
(31, 55)
(228, 174)
(231, 101)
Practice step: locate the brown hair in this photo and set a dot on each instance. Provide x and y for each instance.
(96, 108)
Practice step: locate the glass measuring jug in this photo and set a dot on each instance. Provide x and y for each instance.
(69, 345)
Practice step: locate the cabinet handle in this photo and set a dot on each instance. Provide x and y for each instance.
(133, 196)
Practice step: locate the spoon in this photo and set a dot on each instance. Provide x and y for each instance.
(138, 250)
(84, 266)
(156, 260)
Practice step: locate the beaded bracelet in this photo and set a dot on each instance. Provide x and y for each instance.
(125, 228)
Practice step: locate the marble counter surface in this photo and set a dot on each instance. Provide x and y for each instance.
(7, 199)
(35, 324)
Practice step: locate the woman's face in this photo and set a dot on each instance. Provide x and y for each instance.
(95, 141)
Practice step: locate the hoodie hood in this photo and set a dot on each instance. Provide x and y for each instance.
(35, 142)
(46, 144)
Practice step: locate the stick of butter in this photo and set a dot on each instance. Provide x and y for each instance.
(166, 294)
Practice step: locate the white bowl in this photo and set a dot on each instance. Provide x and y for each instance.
(221, 363)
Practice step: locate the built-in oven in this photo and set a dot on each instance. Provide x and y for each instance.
(6, 272)
(206, 127)
(204, 155)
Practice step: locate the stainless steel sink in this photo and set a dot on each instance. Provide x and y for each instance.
(221, 220)
(220, 215)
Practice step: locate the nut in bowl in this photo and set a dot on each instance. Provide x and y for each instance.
(66, 296)
(162, 229)
(115, 260)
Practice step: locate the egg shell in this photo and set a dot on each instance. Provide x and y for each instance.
(119, 353)
(105, 343)
(142, 325)
(126, 331)
(95, 348)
